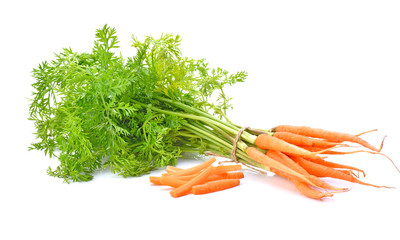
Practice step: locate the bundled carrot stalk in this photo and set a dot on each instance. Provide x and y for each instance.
(200, 179)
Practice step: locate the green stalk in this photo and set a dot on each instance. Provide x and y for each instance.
(205, 134)
(246, 136)
(199, 112)
(209, 116)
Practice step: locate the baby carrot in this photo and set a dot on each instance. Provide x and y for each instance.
(325, 134)
(265, 141)
(282, 158)
(304, 141)
(265, 160)
(215, 186)
(334, 165)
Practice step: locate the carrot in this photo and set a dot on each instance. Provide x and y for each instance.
(304, 141)
(334, 165)
(234, 175)
(265, 141)
(199, 179)
(303, 187)
(155, 180)
(285, 160)
(323, 171)
(324, 134)
(172, 182)
(172, 169)
(183, 178)
(227, 168)
(192, 170)
(265, 160)
(228, 175)
(215, 186)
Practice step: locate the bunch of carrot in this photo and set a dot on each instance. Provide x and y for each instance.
(296, 153)
(200, 179)
(293, 152)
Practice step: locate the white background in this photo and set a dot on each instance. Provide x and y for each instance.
(328, 64)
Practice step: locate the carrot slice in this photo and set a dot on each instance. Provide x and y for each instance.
(192, 170)
(199, 179)
(215, 186)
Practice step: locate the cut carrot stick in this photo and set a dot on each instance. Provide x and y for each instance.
(172, 169)
(228, 175)
(183, 177)
(323, 171)
(325, 134)
(227, 168)
(199, 179)
(215, 186)
(172, 182)
(192, 170)
(234, 175)
(265, 141)
(155, 180)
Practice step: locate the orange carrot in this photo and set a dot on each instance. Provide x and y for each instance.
(265, 141)
(227, 168)
(285, 160)
(155, 180)
(234, 175)
(333, 165)
(304, 141)
(199, 179)
(265, 160)
(323, 171)
(172, 169)
(172, 182)
(325, 134)
(303, 187)
(215, 186)
(192, 170)
(228, 175)
(183, 177)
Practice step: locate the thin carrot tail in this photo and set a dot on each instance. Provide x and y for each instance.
(380, 148)
(355, 180)
(366, 151)
(373, 130)
(323, 171)
(303, 188)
